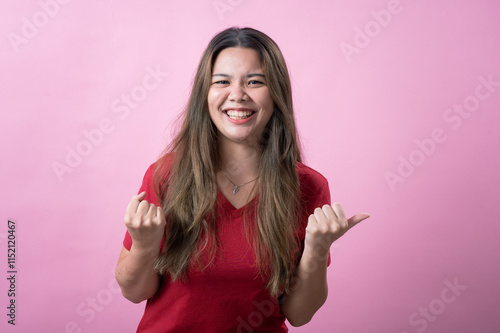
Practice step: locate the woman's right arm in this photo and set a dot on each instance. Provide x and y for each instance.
(135, 270)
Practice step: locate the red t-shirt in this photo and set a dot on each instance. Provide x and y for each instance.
(230, 295)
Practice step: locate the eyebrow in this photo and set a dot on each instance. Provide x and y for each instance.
(248, 75)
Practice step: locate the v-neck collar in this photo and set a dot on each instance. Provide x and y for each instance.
(228, 207)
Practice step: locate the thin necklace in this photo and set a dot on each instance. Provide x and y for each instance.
(236, 188)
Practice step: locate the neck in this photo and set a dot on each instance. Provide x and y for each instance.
(238, 161)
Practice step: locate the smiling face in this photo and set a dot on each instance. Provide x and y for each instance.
(238, 98)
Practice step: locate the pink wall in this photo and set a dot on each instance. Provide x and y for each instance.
(393, 106)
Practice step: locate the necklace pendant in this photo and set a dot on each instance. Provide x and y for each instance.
(235, 189)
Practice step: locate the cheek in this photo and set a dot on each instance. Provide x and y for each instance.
(269, 109)
(268, 106)
(266, 102)
(215, 98)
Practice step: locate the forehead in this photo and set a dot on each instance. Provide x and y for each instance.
(235, 59)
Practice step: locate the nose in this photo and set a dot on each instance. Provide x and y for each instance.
(237, 93)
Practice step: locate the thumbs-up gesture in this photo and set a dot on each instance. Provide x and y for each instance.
(145, 223)
(328, 224)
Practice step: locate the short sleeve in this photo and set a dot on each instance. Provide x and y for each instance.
(147, 185)
(315, 192)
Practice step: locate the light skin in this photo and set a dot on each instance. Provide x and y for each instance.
(309, 284)
(135, 270)
(238, 84)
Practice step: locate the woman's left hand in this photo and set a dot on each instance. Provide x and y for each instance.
(328, 224)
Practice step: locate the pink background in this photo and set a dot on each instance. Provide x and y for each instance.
(365, 92)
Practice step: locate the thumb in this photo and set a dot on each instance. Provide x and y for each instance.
(159, 213)
(357, 218)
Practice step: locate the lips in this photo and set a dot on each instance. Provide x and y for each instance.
(238, 113)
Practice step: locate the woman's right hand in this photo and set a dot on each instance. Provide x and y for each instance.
(145, 223)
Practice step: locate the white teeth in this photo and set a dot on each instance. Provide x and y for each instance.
(238, 114)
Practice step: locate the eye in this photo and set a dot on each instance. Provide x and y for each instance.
(221, 82)
(255, 82)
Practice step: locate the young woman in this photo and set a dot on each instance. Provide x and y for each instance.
(230, 232)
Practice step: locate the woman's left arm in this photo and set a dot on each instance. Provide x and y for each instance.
(309, 287)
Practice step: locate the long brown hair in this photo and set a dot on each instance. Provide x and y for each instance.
(187, 188)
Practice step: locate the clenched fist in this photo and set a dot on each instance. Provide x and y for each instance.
(145, 222)
(328, 224)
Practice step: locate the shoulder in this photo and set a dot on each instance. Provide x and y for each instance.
(155, 178)
(314, 193)
(314, 188)
(162, 166)
(310, 178)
